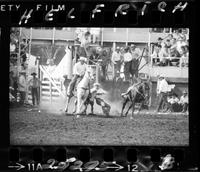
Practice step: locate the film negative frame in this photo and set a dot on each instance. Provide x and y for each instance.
(178, 14)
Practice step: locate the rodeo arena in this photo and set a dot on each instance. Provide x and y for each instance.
(99, 86)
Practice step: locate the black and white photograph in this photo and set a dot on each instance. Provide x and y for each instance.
(99, 86)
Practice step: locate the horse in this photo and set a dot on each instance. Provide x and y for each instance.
(138, 93)
(83, 90)
(89, 75)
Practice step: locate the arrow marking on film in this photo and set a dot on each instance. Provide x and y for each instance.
(18, 166)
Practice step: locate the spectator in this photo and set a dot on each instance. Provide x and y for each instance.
(162, 92)
(184, 101)
(104, 63)
(136, 54)
(181, 42)
(170, 37)
(173, 103)
(155, 55)
(160, 42)
(173, 49)
(184, 56)
(11, 79)
(168, 44)
(116, 59)
(34, 85)
(78, 73)
(22, 86)
(85, 42)
(163, 54)
(127, 63)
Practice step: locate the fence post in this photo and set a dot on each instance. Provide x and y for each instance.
(97, 73)
(41, 79)
(50, 92)
(150, 94)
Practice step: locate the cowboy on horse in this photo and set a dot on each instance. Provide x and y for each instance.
(79, 72)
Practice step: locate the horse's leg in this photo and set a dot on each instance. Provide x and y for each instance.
(128, 110)
(133, 109)
(140, 107)
(84, 96)
(67, 103)
(85, 109)
(92, 107)
(78, 101)
(75, 106)
(123, 106)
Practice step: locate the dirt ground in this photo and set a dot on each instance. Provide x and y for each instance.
(56, 128)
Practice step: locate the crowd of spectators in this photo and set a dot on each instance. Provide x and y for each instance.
(15, 42)
(177, 104)
(167, 97)
(172, 50)
(123, 60)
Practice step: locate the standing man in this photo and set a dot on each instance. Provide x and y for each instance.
(104, 63)
(136, 53)
(85, 42)
(184, 101)
(127, 63)
(22, 86)
(78, 73)
(34, 85)
(116, 59)
(162, 91)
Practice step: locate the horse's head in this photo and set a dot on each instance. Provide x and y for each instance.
(90, 73)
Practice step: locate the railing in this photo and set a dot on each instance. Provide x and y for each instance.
(180, 61)
(48, 92)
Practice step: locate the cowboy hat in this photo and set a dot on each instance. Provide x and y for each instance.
(33, 73)
(161, 76)
(82, 58)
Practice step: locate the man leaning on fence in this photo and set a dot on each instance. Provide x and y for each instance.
(34, 85)
(78, 73)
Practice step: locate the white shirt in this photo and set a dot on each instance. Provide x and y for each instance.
(34, 82)
(155, 54)
(158, 86)
(116, 56)
(173, 100)
(179, 45)
(184, 99)
(163, 86)
(85, 42)
(22, 83)
(79, 69)
(94, 92)
(136, 53)
(162, 54)
(127, 57)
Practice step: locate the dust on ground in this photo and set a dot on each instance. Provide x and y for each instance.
(50, 127)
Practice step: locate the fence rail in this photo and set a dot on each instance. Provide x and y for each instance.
(48, 91)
